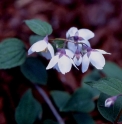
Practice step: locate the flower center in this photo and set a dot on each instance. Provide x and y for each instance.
(76, 38)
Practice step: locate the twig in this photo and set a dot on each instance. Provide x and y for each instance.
(118, 116)
(67, 40)
(48, 101)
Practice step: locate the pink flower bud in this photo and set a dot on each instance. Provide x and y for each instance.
(110, 101)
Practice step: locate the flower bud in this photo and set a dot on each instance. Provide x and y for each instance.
(110, 101)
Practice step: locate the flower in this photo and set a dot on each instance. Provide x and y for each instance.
(110, 101)
(62, 61)
(95, 57)
(81, 35)
(77, 58)
(42, 46)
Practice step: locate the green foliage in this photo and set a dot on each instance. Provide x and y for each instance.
(92, 76)
(34, 70)
(49, 122)
(109, 113)
(28, 109)
(58, 43)
(60, 98)
(39, 27)
(110, 86)
(83, 118)
(80, 101)
(34, 38)
(12, 53)
(112, 70)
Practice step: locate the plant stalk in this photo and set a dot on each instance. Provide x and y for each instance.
(48, 101)
(118, 116)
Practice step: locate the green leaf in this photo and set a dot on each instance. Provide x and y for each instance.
(95, 93)
(34, 38)
(110, 86)
(83, 118)
(80, 101)
(58, 43)
(34, 70)
(93, 76)
(28, 109)
(12, 53)
(109, 113)
(39, 27)
(49, 122)
(60, 98)
(112, 70)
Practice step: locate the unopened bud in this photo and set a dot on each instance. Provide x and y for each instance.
(110, 101)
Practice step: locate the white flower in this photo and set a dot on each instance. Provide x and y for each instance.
(110, 101)
(94, 57)
(42, 46)
(81, 35)
(62, 61)
(77, 59)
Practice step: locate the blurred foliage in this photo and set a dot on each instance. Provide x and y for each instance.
(112, 112)
(12, 53)
(28, 109)
(83, 118)
(102, 17)
(39, 27)
(110, 86)
(34, 70)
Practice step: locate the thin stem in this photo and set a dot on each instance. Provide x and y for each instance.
(68, 41)
(48, 101)
(118, 116)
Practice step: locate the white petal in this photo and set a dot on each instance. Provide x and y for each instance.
(30, 51)
(50, 48)
(71, 32)
(108, 103)
(46, 54)
(64, 64)
(53, 62)
(77, 61)
(97, 60)
(73, 63)
(85, 33)
(56, 67)
(69, 53)
(37, 47)
(72, 46)
(85, 63)
(86, 42)
(102, 51)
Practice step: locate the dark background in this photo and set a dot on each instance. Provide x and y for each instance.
(103, 17)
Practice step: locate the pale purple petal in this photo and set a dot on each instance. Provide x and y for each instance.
(50, 48)
(86, 34)
(64, 64)
(102, 51)
(71, 46)
(46, 54)
(69, 53)
(73, 63)
(97, 60)
(71, 32)
(77, 61)
(57, 68)
(86, 42)
(85, 63)
(37, 47)
(53, 62)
